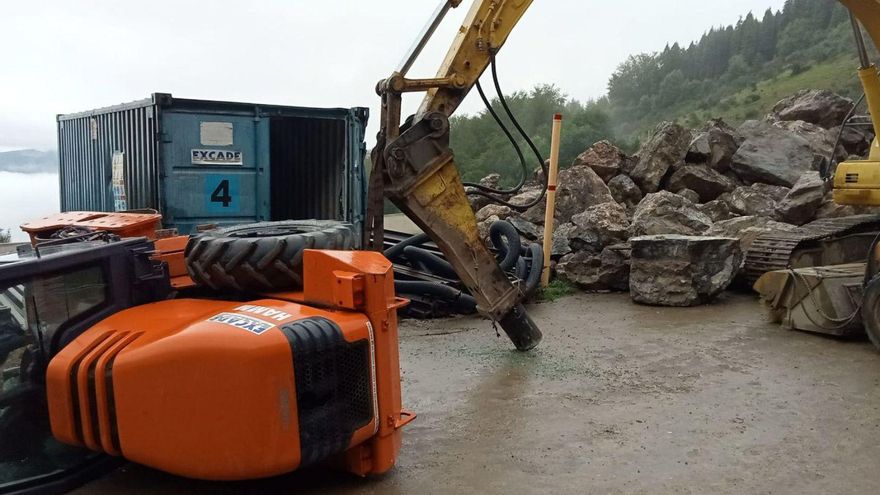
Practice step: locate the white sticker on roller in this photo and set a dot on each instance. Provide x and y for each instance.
(215, 133)
(253, 325)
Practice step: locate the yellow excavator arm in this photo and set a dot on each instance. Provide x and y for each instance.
(414, 167)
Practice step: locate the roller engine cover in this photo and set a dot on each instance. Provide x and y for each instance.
(224, 390)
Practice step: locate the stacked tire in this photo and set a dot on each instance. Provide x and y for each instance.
(262, 256)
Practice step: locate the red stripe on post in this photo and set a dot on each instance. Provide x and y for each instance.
(551, 188)
(558, 116)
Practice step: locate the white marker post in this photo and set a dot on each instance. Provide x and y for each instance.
(551, 196)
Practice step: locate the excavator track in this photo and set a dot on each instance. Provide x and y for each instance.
(774, 251)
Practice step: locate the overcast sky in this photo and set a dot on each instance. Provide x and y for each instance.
(63, 56)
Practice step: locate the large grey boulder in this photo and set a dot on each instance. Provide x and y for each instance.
(479, 201)
(689, 194)
(559, 245)
(535, 213)
(604, 158)
(749, 228)
(579, 188)
(771, 155)
(666, 147)
(500, 211)
(854, 140)
(676, 270)
(527, 229)
(625, 191)
(608, 270)
(757, 199)
(716, 210)
(705, 181)
(714, 145)
(821, 140)
(667, 213)
(599, 226)
(800, 204)
(816, 106)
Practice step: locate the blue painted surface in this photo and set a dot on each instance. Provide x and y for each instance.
(157, 137)
(188, 186)
(222, 194)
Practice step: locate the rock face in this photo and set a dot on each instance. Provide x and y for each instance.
(714, 146)
(604, 158)
(675, 270)
(499, 211)
(816, 106)
(477, 201)
(599, 226)
(821, 140)
(716, 210)
(705, 181)
(800, 204)
(625, 191)
(689, 194)
(855, 141)
(608, 270)
(579, 188)
(771, 155)
(668, 213)
(527, 229)
(757, 199)
(666, 147)
(749, 228)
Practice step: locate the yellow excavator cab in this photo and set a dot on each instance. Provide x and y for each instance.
(857, 182)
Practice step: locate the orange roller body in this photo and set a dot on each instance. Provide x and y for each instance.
(227, 390)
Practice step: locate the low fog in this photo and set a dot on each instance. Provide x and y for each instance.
(24, 197)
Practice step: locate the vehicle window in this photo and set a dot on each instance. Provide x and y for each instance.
(29, 312)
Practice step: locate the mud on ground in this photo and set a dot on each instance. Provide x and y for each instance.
(618, 398)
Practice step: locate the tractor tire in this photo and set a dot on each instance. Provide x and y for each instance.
(261, 256)
(871, 311)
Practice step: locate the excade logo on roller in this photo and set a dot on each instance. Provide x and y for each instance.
(251, 324)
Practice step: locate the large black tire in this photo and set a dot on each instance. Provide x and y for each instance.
(261, 256)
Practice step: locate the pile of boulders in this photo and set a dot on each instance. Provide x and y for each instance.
(620, 220)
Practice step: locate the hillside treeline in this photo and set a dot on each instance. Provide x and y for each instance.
(734, 72)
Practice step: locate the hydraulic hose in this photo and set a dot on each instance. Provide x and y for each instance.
(481, 190)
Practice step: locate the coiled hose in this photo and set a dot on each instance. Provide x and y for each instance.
(522, 262)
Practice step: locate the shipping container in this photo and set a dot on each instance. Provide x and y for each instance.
(214, 162)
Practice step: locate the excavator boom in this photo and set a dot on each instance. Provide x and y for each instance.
(414, 167)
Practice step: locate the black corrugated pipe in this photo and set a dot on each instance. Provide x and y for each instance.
(432, 262)
(461, 302)
(397, 249)
(505, 238)
(534, 278)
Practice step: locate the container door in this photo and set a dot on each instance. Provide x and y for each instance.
(356, 192)
(214, 170)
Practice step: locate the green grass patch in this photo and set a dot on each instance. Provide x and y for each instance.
(556, 289)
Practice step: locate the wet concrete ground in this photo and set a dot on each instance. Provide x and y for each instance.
(618, 398)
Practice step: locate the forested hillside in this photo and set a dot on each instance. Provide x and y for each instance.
(734, 72)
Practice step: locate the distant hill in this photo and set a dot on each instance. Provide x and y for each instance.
(738, 71)
(734, 72)
(29, 161)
